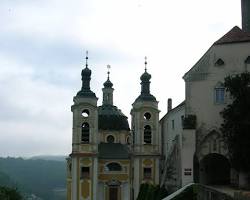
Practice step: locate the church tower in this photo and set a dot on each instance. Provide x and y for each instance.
(146, 136)
(82, 177)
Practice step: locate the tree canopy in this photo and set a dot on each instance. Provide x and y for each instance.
(7, 193)
(236, 120)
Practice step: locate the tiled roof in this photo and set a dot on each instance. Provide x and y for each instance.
(113, 151)
(111, 118)
(235, 35)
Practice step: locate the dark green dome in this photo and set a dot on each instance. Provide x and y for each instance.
(85, 90)
(111, 118)
(146, 97)
(108, 84)
(145, 76)
(86, 72)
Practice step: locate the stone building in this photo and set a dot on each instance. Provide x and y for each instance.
(191, 131)
(108, 160)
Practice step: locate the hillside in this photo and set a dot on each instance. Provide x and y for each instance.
(39, 177)
(49, 157)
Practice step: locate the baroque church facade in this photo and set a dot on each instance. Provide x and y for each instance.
(109, 160)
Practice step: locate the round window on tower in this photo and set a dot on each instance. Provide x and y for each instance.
(147, 116)
(110, 139)
(85, 113)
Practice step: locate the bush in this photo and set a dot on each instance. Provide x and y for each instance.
(189, 193)
(151, 192)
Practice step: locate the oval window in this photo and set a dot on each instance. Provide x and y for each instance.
(110, 139)
(85, 113)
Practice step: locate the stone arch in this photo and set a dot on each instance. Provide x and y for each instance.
(212, 142)
(214, 169)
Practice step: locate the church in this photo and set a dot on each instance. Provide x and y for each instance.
(109, 160)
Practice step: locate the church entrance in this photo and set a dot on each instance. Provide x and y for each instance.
(113, 193)
(114, 190)
(214, 170)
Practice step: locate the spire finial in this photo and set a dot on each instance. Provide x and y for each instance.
(108, 67)
(145, 63)
(86, 58)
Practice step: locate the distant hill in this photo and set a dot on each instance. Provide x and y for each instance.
(34, 176)
(49, 157)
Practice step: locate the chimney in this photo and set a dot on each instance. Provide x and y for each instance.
(245, 12)
(169, 104)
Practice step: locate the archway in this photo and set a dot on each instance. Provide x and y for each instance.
(214, 170)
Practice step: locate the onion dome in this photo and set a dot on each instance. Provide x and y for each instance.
(145, 86)
(86, 72)
(86, 77)
(108, 84)
(145, 76)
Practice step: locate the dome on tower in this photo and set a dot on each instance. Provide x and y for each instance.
(111, 118)
(86, 77)
(145, 76)
(145, 86)
(86, 71)
(108, 84)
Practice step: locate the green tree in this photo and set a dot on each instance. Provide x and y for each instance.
(151, 192)
(236, 121)
(7, 193)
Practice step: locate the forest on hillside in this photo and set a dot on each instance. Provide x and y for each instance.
(43, 178)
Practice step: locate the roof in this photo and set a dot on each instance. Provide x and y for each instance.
(174, 109)
(235, 35)
(111, 118)
(113, 151)
(145, 97)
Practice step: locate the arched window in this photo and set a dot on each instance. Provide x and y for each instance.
(85, 132)
(113, 167)
(147, 134)
(147, 116)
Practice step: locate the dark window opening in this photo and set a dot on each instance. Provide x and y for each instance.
(147, 173)
(147, 134)
(147, 116)
(219, 62)
(110, 139)
(114, 167)
(173, 124)
(85, 133)
(85, 173)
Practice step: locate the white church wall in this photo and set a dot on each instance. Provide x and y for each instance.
(200, 96)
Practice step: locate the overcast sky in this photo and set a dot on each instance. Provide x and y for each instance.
(42, 50)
